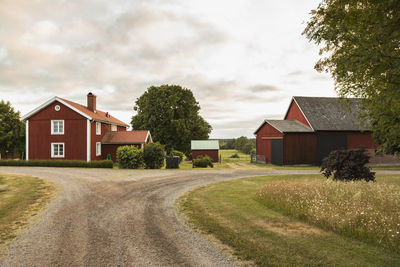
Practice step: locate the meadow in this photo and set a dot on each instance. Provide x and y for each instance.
(367, 211)
(300, 220)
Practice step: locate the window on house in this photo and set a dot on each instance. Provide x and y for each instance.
(98, 149)
(98, 128)
(114, 128)
(57, 127)
(57, 150)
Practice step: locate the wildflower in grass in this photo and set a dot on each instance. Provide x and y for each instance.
(369, 211)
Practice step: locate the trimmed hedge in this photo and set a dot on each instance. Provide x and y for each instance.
(129, 157)
(59, 163)
(203, 162)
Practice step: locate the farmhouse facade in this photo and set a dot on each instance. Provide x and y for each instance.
(311, 129)
(62, 129)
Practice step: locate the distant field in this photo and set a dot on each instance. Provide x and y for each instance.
(238, 214)
(243, 162)
(21, 197)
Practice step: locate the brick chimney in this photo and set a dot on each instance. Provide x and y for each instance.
(91, 102)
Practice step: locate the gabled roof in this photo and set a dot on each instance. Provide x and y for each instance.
(126, 137)
(82, 110)
(204, 144)
(329, 113)
(289, 126)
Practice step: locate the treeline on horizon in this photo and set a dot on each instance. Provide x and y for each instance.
(242, 144)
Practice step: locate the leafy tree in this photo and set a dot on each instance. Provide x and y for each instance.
(154, 155)
(244, 144)
(360, 47)
(240, 143)
(12, 130)
(171, 113)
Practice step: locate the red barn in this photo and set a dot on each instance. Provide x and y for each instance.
(311, 129)
(62, 129)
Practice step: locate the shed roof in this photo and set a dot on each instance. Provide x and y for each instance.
(289, 126)
(126, 137)
(204, 144)
(330, 113)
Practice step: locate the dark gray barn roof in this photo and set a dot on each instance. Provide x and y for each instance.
(289, 126)
(329, 113)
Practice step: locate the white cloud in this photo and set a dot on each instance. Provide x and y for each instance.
(242, 59)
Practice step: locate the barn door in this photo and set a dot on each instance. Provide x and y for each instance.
(277, 151)
(329, 142)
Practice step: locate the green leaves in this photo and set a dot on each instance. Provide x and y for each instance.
(171, 113)
(360, 42)
(12, 130)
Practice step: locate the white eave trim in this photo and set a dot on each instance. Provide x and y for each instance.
(147, 137)
(47, 103)
(287, 111)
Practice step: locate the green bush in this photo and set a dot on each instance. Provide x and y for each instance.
(203, 162)
(59, 163)
(347, 165)
(154, 155)
(176, 153)
(129, 157)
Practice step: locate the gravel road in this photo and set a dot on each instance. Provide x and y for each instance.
(118, 218)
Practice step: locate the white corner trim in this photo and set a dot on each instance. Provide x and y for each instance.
(147, 137)
(45, 104)
(27, 140)
(87, 140)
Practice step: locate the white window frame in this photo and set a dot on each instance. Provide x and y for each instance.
(98, 148)
(58, 127)
(98, 128)
(114, 128)
(52, 150)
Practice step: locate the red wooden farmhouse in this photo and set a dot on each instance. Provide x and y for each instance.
(62, 129)
(311, 129)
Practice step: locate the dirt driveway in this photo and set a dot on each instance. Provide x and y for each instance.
(118, 218)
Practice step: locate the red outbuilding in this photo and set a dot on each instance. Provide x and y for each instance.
(62, 129)
(205, 148)
(311, 129)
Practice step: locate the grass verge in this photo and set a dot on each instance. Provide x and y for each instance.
(232, 212)
(21, 197)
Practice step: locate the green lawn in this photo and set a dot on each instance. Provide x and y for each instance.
(21, 197)
(232, 212)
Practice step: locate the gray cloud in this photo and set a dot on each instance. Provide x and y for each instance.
(117, 49)
(263, 88)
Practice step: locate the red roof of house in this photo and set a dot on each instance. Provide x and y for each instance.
(97, 115)
(126, 137)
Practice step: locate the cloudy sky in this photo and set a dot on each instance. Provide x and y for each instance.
(243, 60)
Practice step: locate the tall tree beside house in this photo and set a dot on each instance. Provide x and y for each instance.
(360, 47)
(12, 130)
(171, 113)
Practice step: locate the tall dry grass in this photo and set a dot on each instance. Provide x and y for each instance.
(368, 211)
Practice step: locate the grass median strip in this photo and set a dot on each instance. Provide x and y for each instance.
(21, 197)
(232, 212)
